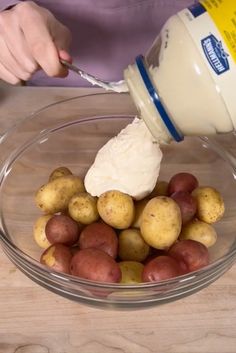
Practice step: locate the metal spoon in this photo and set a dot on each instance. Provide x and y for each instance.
(119, 86)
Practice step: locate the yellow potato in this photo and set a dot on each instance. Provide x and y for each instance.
(161, 222)
(59, 172)
(132, 247)
(139, 207)
(199, 231)
(39, 231)
(160, 189)
(116, 209)
(210, 204)
(131, 272)
(82, 208)
(54, 196)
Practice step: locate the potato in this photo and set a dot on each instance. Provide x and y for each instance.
(199, 231)
(82, 208)
(139, 207)
(161, 268)
(182, 182)
(131, 272)
(160, 189)
(59, 172)
(100, 236)
(57, 257)
(210, 204)
(54, 196)
(39, 231)
(95, 265)
(116, 209)
(187, 205)
(191, 253)
(62, 229)
(161, 222)
(132, 246)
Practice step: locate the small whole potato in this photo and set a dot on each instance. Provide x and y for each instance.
(62, 229)
(139, 207)
(182, 182)
(116, 209)
(54, 196)
(161, 222)
(82, 208)
(132, 246)
(160, 189)
(39, 231)
(59, 172)
(95, 265)
(131, 272)
(200, 231)
(161, 268)
(210, 204)
(58, 257)
(187, 205)
(195, 255)
(100, 236)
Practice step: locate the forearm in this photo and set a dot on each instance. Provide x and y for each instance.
(4, 4)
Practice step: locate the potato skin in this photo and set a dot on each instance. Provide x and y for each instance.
(210, 204)
(62, 229)
(100, 236)
(132, 246)
(39, 231)
(161, 268)
(182, 182)
(138, 210)
(59, 172)
(131, 272)
(116, 209)
(161, 222)
(54, 196)
(200, 231)
(95, 265)
(160, 189)
(187, 205)
(195, 255)
(82, 208)
(57, 257)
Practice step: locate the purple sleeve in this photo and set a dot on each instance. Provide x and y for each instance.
(4, 4)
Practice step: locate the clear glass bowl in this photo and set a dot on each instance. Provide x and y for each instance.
(70, 133)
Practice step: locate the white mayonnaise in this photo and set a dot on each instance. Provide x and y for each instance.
(129, 162)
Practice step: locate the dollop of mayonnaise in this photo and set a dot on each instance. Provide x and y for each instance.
(128, 162)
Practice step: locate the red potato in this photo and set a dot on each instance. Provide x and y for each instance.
(58, 257)
(100, 236)
(182, 182)
(187, 204)
(62, 229)
(95, 265)
(161, 268)
(194, 254)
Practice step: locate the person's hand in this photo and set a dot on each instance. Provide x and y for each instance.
(31, 38)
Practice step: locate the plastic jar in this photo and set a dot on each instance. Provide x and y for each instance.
(186, 84)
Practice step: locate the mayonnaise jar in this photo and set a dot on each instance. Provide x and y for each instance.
(186, 84)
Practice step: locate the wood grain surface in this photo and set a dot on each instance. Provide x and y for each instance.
(34, 320)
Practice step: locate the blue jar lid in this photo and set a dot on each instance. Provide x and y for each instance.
(177, 136)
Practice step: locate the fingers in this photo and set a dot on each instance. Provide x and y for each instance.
(7, 76)
(41, 44)
(31, 37)
(65, 56)
(10, 64)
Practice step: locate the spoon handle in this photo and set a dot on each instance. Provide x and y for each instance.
(113, 86)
